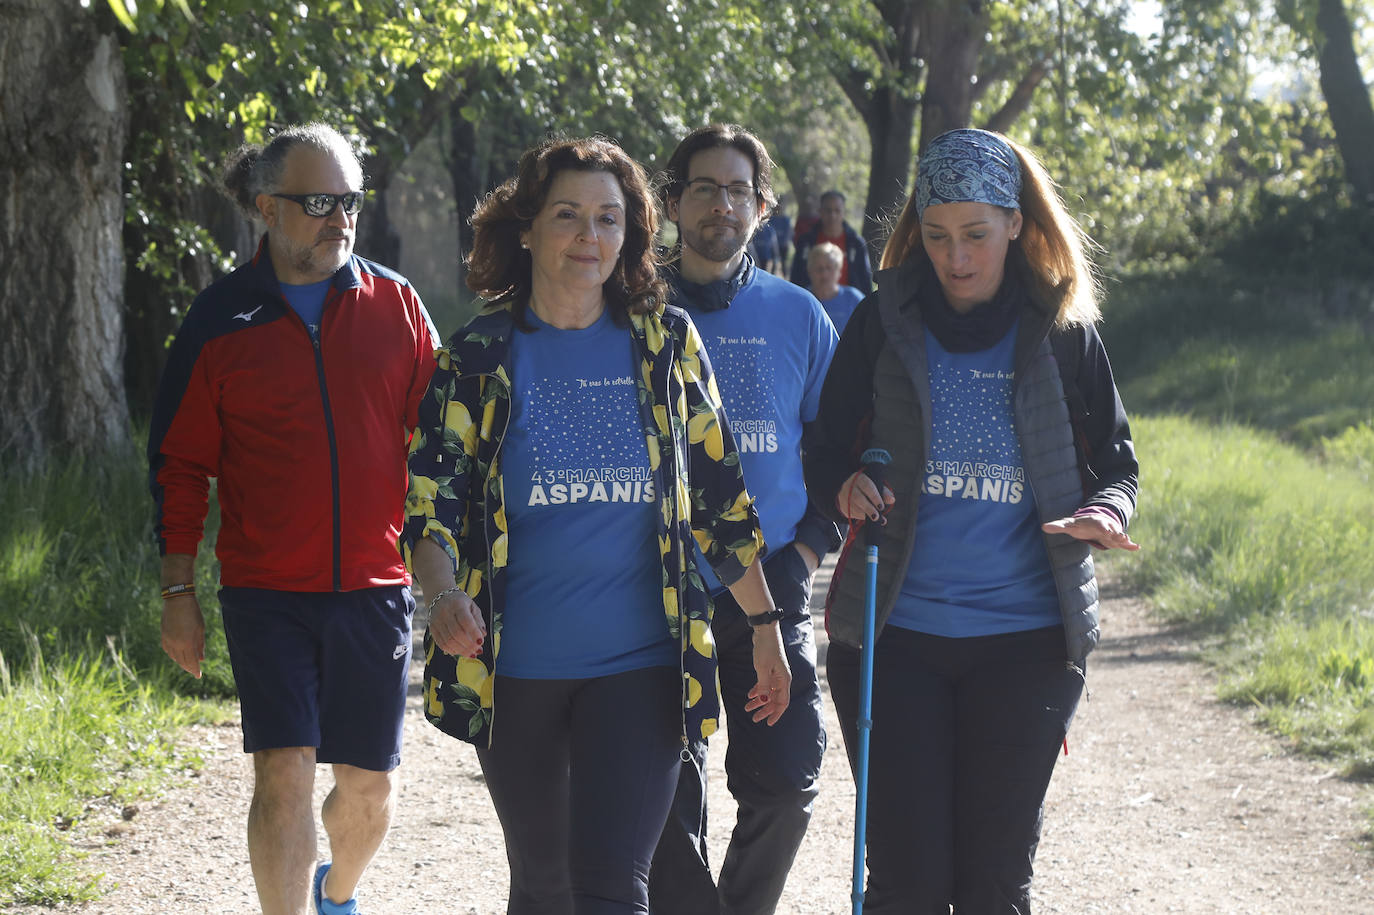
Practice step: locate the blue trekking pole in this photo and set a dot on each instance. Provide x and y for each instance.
(875, 461)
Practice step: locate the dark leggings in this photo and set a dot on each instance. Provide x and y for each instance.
(582, 774)
(965, 736)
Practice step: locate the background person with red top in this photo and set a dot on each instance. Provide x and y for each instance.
(856, 270)
(294, 381)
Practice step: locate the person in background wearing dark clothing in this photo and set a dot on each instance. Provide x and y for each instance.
(295, 381)
(781, 224)
(770, 345)
(977, 367)
(763, 248)
(572, 457)
(807, 217)
(823, 265)
(855, 270)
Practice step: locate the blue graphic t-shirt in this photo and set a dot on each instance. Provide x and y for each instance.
(841, 305)
(979, 566)
(584, 591)
(308, 302)
(770, 350)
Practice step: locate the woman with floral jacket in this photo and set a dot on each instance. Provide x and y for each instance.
(571, 441)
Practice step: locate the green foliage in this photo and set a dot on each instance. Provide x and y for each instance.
(207, 75)
(80, 737)
(1313, 682)
(1354, 448)
(89, 705)
(1266, 548)
(1273, 331)
(79, 571)
(1163, 140)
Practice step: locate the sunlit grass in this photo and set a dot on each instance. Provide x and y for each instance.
(89, 705)
(1265, 548)
(1290, 354)
(79, 738)
(79, 566)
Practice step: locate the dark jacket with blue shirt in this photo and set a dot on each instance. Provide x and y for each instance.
(878, 394)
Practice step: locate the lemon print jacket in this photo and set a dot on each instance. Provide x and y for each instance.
(456, 498)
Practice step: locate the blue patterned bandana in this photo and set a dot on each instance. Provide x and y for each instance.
(968, 166)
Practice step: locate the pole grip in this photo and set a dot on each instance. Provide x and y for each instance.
(875, 461)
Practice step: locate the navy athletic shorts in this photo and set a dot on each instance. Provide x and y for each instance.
(322, 669)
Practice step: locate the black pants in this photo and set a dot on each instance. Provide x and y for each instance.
(771, 771)
(965, 736)
(582, 774)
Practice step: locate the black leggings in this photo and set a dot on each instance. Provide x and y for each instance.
(965, 736)
(582, 775)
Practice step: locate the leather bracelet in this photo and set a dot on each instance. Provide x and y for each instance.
(763, 619)
(453, 590)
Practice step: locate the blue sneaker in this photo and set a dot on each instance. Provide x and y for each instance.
(324, 906)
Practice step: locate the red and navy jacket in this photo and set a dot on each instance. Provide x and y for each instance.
(308, 439)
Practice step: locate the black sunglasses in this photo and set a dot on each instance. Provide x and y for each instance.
(324, 204)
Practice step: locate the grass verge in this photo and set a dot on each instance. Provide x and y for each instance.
(81, 739)
(89, 706)
(1264, 548)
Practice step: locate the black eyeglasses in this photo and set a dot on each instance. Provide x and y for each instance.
(324, 204)
(704, 190)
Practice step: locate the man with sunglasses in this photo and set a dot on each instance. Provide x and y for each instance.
(770, 344)
(295, 381)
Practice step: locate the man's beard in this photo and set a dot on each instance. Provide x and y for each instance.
(719, 249)
(306, 259)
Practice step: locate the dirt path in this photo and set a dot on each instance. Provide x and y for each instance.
(1167, 802)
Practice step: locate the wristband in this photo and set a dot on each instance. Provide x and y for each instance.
(763, 619)
(172, 591)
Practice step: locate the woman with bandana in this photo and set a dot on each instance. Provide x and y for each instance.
(977, 367)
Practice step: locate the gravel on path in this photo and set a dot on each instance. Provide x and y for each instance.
(1168, 801)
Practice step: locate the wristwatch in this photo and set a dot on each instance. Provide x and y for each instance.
(763, 619)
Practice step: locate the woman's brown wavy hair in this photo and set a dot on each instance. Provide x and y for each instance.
(500, 270)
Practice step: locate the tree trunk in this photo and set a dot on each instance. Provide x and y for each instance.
(1020, 99)
(378, 238)
(469, 157)
(887, 102)
(63, 118)
(891, 125)
(1347, 97)
(952, 37)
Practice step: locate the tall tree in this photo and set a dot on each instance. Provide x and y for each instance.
(1347, 97)
(210, 74)
(62, 124)
(883, 84)
(911, 70)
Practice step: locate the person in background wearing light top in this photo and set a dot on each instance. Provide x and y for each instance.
(823, 265)
(976, 365)
(571, 454)
(295, 381)
(770, 343)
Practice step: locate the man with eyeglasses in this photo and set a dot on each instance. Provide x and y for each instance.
(770, 344)
(855, 270)
(295, 381)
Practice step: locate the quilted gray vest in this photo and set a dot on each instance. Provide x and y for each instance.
(901, 424)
